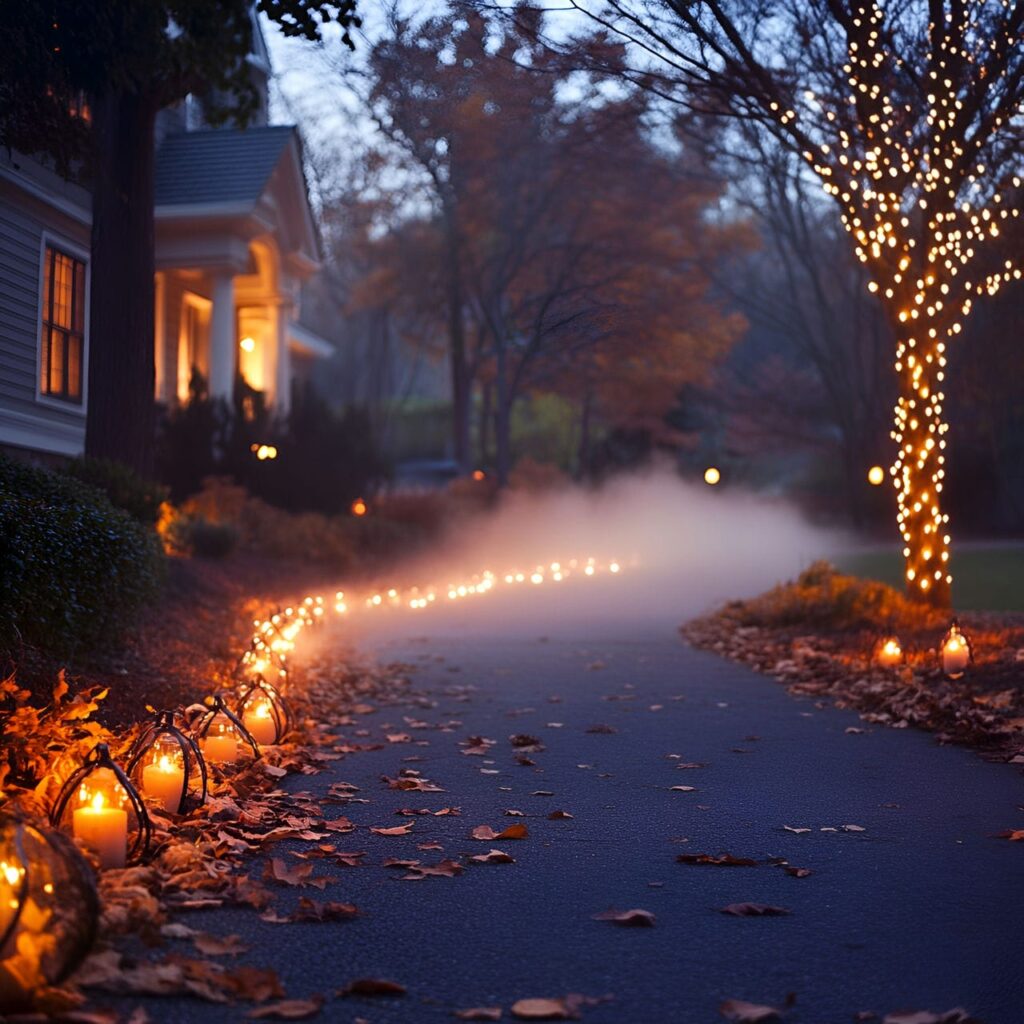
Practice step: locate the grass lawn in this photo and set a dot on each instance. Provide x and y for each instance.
(986, 577)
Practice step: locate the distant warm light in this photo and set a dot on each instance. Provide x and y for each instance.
(247, 344)
(359, 507)
(712, 475)
(263, 451)
(876, 475)
(479, 474)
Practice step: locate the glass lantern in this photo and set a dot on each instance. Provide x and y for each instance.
(955, 652)
(889, 652)
(100, 806)
(167, 766)
(264, 712)
(48, 909)
(222, 734)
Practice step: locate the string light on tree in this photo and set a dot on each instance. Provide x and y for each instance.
(914, 147)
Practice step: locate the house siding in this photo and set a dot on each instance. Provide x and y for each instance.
(26, 421)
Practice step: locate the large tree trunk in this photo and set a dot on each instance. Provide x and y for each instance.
(583, 449)
(121, 410)
(461, 391)
(920, 435)
(502, 418)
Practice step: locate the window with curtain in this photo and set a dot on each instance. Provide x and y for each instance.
(62, 338)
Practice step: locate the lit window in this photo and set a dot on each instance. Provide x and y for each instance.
(63, 328)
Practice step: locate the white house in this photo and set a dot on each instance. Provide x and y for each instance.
(235, 240)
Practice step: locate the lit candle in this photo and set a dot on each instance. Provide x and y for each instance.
(220, 746)
(890, 653)
(163, 781)
(104, 830)
(259, 720)
(955, 654)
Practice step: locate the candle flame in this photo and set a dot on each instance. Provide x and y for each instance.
(262, 710)
(11, 872)
(97, 802)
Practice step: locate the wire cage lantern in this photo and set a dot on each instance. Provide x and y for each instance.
(166, 764)
(221, 732)
(264, 712)
(956, 652)
(260, 660)
(48, 908)
(103, 809)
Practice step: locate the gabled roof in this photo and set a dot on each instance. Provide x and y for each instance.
(219, 165)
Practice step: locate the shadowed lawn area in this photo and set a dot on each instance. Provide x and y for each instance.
(986, 577)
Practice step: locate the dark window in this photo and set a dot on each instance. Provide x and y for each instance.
(63, 329)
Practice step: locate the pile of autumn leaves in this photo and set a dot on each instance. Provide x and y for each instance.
(198, 860)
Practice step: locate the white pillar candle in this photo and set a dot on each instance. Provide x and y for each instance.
(220, 747)
(104, 830)
(259, 720)
(955, 655)
(163, 781)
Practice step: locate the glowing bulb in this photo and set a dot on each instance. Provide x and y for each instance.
(876, 475)
(712, 475)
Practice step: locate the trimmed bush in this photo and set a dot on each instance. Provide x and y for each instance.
(126, 490)
(823, 598)
(74, 570)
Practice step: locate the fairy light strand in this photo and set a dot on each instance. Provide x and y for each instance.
(918, 199)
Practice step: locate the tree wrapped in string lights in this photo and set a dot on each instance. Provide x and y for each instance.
(910, 115)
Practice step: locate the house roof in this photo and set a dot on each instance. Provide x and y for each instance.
(218, 165)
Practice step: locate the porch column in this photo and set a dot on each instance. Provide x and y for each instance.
(283, 370)
(222, 337)
(160, 334)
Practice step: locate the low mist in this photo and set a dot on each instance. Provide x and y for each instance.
(683, 547)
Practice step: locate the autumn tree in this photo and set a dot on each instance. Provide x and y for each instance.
(565, 238)
(129, 59)
(909, 114)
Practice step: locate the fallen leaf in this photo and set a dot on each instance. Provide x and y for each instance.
(559, 815)
(486, 833)
(854, 828)
(1015, 835)
(288, 1009)
(797, 872)
(479, 1013)
(719, 860)
(798, 831)
(214, 945)
(627, 918)
(492, 857)
(398, 830)
(684, 789)
(543, 1009)
(372, 987)
(747, 1013)
(753, 910)
(956, 1016)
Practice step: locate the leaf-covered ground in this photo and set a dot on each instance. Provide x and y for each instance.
(605, 825)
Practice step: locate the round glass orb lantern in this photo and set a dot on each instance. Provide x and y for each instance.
(264, 712)
(100, 806)
(222, 734)
(167, 766)
(48, 909)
